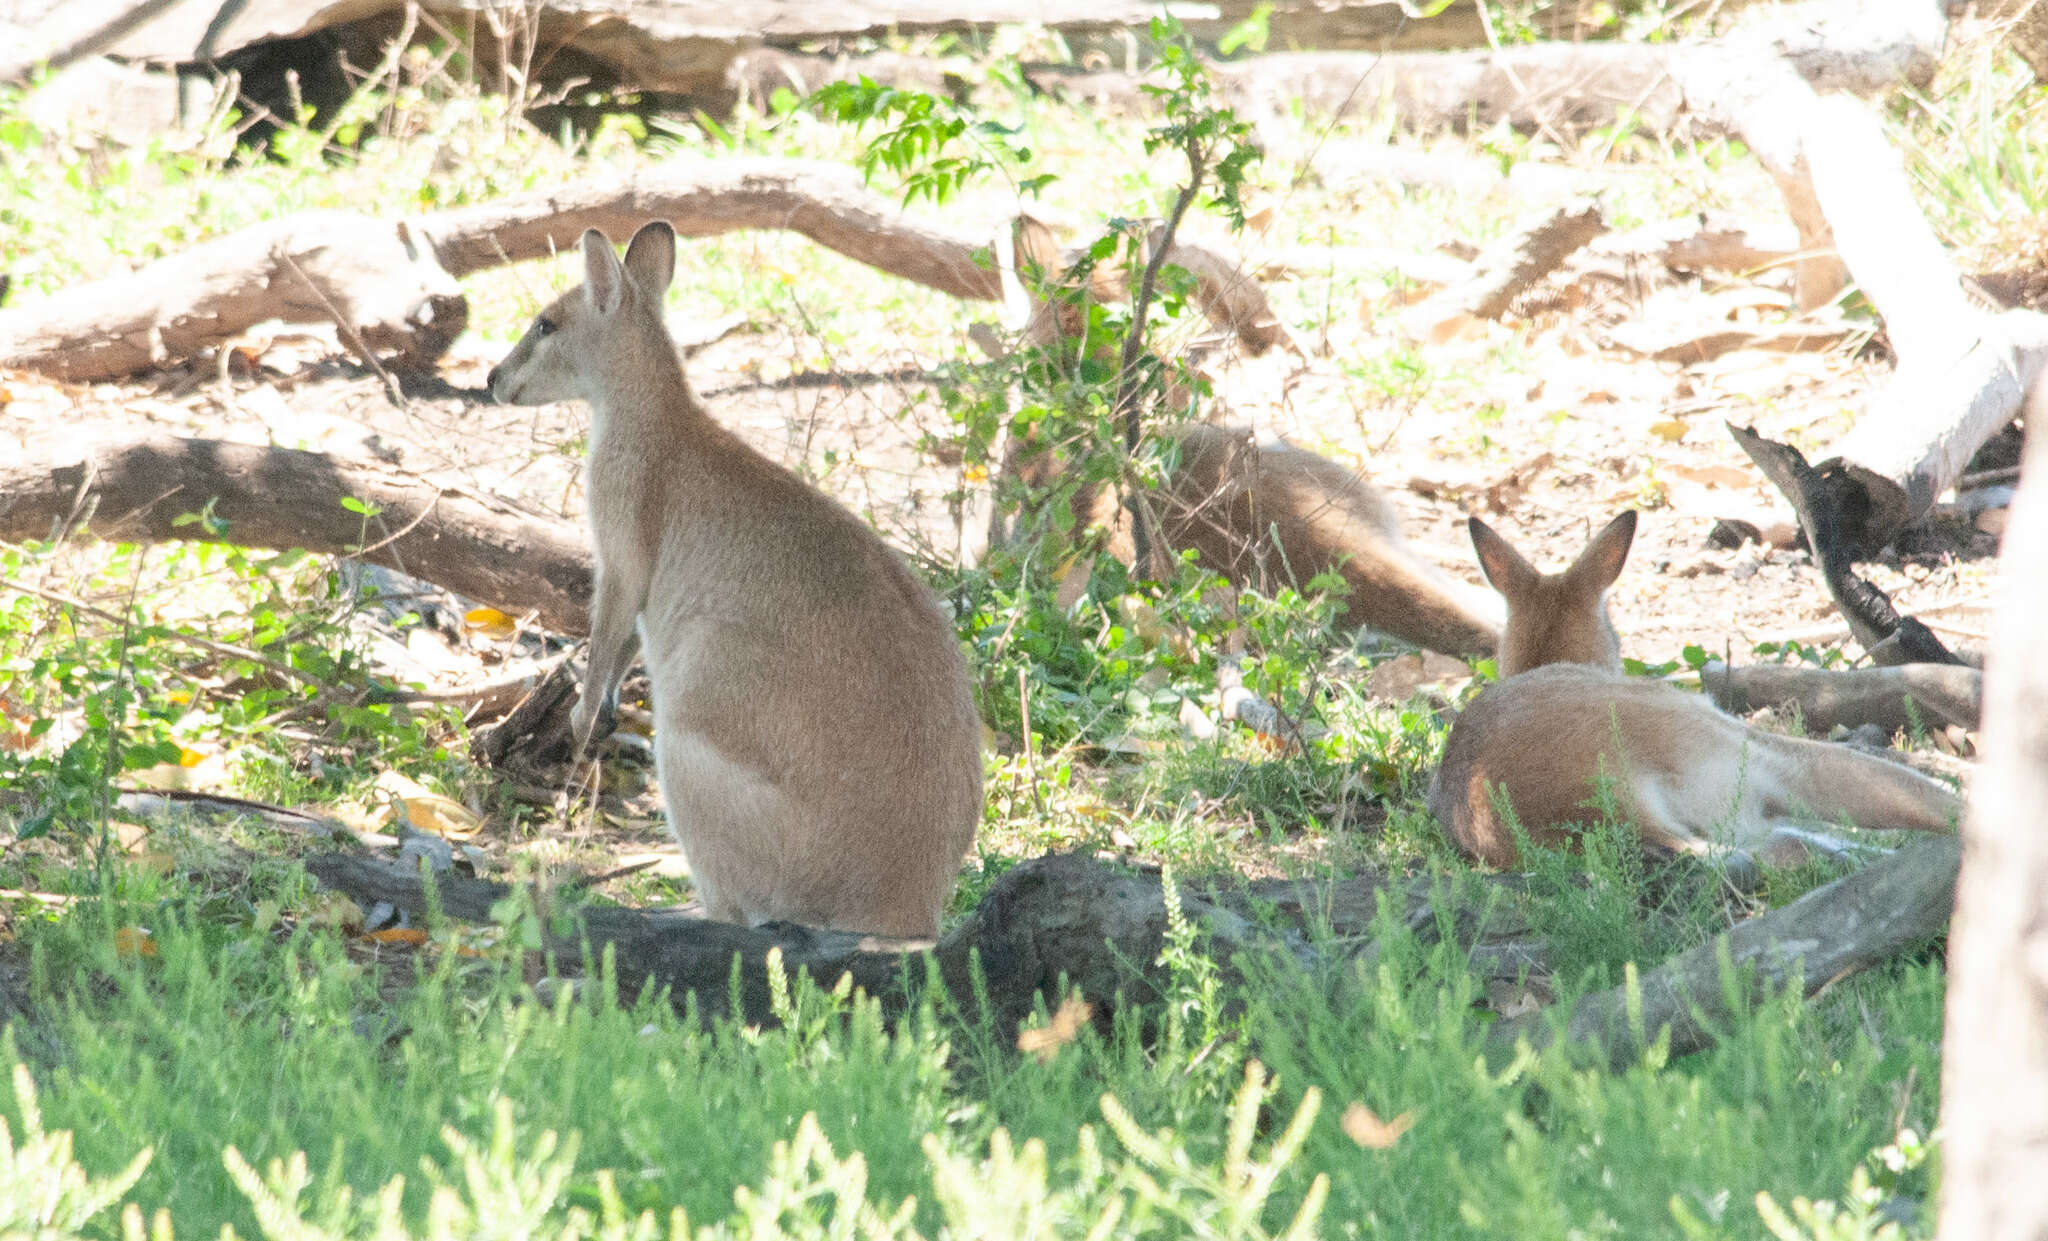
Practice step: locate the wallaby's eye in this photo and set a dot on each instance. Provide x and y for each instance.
(543, 326)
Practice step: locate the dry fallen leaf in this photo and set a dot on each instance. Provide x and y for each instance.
(425, 810)
(397, 935)
(1369, 1131)
(1044, 1042)
(489, 622)
(134, 941)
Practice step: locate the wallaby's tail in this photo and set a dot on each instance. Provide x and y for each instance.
(1294, 514)
(1408, 597)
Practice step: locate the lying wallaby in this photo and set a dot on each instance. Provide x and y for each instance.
(1257, 510)
(1261, 510)
(1688, 777)
(816, 737)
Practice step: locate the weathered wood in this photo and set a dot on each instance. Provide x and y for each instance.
(1858, 921)
(1826, 514)
(1963, 372)
(1939, 694)
(1994, 1063)
(681, 46)
(386, 295)
(1064, 920)
(135, 487)
(391, 288)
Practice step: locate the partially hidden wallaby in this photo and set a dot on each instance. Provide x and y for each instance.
(1256, 509)
(1261, 512)
(816, 737)
(1691, 779)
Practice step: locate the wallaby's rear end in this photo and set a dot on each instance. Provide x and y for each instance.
(1689, 777)
(816, 738)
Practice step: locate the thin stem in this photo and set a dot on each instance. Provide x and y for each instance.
(1127, 407)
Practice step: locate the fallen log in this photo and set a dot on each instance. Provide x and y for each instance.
(139, 487)
(1858, 921)
(1067, 922)
(1904, 696)
(1049, 925)
(385, 294)
(390, 287)
(1963, 372)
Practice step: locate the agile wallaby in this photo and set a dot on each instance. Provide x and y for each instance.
(1255, 509)
(1690, 778)
(816, 737)
(1260, 508)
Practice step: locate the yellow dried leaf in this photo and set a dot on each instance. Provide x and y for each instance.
(489, 622)
(1369, 1131)
(1671, 430)
(398, 935)
(1045, 1041)
(425, 810)
(189, 757)
(134, 941)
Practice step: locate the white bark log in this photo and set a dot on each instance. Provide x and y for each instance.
(383, 292)
(1963, 372)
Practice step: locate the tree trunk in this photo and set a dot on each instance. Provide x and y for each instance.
(1994, 1063)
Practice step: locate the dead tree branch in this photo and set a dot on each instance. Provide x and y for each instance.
(1833, 931)
(137, 487)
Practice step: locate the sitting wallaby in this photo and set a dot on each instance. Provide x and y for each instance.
(816, 737)
(1688, 777)
(1260, 510)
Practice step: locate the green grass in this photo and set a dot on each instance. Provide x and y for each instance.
(238, 1035)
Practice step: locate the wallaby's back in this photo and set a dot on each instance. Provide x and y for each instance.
(1563, 720)
(816, 738)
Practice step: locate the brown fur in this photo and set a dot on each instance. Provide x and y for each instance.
(817, 743)
(1262, 512)
(1688, 777)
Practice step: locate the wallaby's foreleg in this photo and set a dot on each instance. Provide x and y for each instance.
(615, 607)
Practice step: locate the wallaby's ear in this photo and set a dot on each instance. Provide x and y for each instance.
(604, 281)
(1511, 574)
(1598, 566)
(651, 257)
